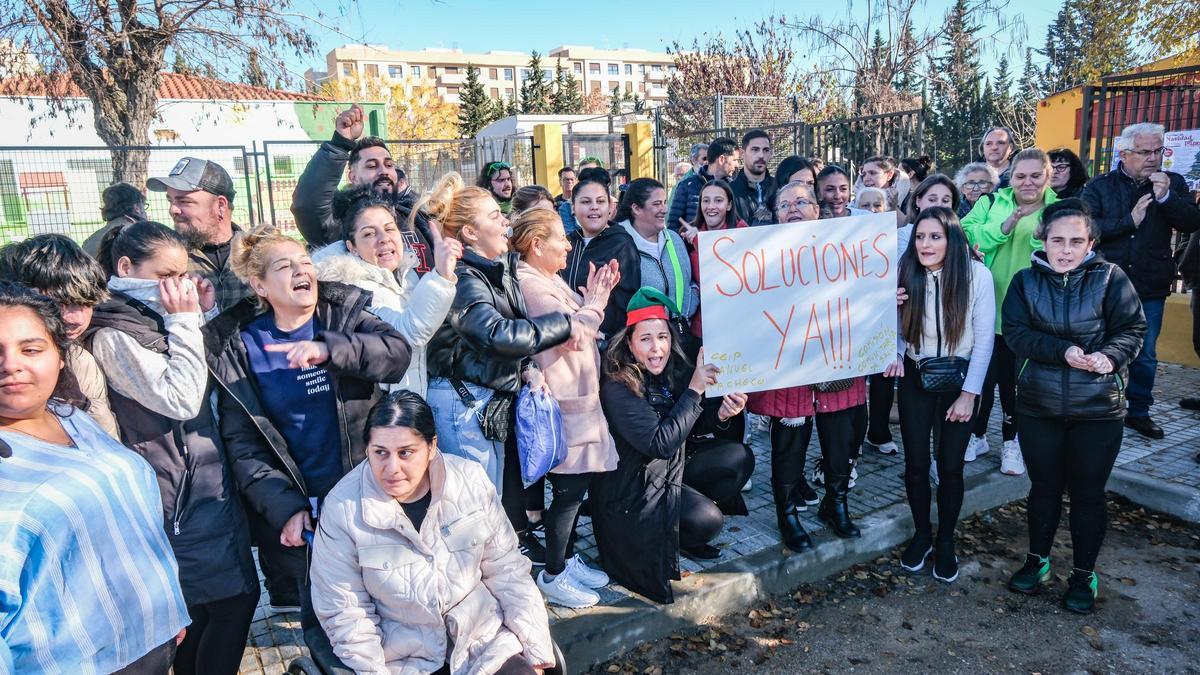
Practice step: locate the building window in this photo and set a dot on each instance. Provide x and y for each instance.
(614, 69)
(628, 68)
(371, 70)
(596, 85)
(508, 74)
(628, 87)
(656, 68)
(395, 72)
(508, 93)
(451, 70)
(578, 68)
(641, 69)
(452, 91)
(415, 70)
(642, 87)
(547, 75)
(494, 73)
(347, 69)
(495, 93)
(594, 68)
(671, 69)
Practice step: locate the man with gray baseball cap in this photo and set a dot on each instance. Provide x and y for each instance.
(201, 195)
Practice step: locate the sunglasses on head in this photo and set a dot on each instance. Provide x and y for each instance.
(496, 167)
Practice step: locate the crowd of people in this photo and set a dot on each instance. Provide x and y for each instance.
(171, 396)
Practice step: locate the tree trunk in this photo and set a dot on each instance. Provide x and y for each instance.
(124, 101)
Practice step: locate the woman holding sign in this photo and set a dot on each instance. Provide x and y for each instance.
(681, 460)
(1070, 394)
(944, 349)
(840, 421)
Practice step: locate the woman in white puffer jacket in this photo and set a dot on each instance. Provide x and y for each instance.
(371, 255)
(415, 568)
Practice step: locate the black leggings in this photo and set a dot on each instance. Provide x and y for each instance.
(840, 434)
(1075, 456)
(217, 637)
(714, 473)
(1001, 371)
(881, 392)
(568, 490)
(155, 662)
(513, 497)
(920, 413)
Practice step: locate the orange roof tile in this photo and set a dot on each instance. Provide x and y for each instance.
(172, 86)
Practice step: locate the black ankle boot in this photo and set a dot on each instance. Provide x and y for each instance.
(834, 511)
(787, 516)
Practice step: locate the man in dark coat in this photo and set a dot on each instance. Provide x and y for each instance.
(754, 185)
(1137, 205)
(366, 161)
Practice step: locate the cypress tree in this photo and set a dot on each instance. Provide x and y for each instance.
(957, 108)
(566, 98)
(475, 109)
(535, 90)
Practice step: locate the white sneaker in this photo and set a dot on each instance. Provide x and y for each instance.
(748, 486)
(564, 592)
(1011, 461)
(889, 448)
(978, 446)
(584, 575)
(969, 453)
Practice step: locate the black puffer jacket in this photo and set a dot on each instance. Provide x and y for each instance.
(202, 514)
(488, 337)
(312, 203)
(685, 203)
(363, 352)
(613, 243)
(1143, 251)
(1094, 307)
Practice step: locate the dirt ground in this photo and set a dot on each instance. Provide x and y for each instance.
(878, 618)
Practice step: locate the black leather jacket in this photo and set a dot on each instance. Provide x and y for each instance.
(1094, 307)
(1143, 251)
(488, 336)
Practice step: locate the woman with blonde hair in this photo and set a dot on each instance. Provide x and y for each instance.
(481, 356)
(297, 368)
(572, 372)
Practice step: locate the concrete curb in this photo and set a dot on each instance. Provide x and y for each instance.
(1177, 500)
(605, 632)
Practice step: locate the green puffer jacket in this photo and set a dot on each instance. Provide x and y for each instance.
(1004, 254)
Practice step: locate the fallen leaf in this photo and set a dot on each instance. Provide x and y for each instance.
(1089, 631)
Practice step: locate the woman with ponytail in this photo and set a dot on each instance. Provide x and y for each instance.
(298, 368)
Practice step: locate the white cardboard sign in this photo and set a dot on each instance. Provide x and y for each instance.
(799, 303)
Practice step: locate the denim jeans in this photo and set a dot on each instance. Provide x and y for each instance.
(1141, 371)
(458, 430)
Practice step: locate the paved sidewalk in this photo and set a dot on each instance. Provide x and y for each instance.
(747, 541)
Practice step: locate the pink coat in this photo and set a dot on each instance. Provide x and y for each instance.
(804, 401)
(572, 372)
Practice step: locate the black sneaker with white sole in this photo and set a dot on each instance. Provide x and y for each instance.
(914, 555)
(531, 548)
(945, 562)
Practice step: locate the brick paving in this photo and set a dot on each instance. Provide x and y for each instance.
(276, 639)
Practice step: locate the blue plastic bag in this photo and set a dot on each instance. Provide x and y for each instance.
(541, 444)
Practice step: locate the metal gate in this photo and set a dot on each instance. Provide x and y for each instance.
(1167, 97)
(846, 141)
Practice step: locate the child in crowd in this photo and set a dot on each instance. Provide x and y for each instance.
(55, 266)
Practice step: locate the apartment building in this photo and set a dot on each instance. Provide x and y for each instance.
(634, 71)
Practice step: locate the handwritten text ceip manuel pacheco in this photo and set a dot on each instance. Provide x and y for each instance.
(799, 303)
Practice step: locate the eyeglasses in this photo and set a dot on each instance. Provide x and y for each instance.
(978, 184)
(1060, 168)
(798, 204)
(1146, 153)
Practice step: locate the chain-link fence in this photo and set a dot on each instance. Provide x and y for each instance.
(58, 189)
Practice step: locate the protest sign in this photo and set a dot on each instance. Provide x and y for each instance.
(799, 303)
(1181, 154)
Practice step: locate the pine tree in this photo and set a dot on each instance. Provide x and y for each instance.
(475, 109)
(254, 74)
(614, 101)
(1086, 40)
(1001, 99)
(180, 66)
(957, 109)
(1025, 101)
(566, 98)
(535, 90)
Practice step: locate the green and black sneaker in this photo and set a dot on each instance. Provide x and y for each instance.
(1082, 587)
(1031, 576)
